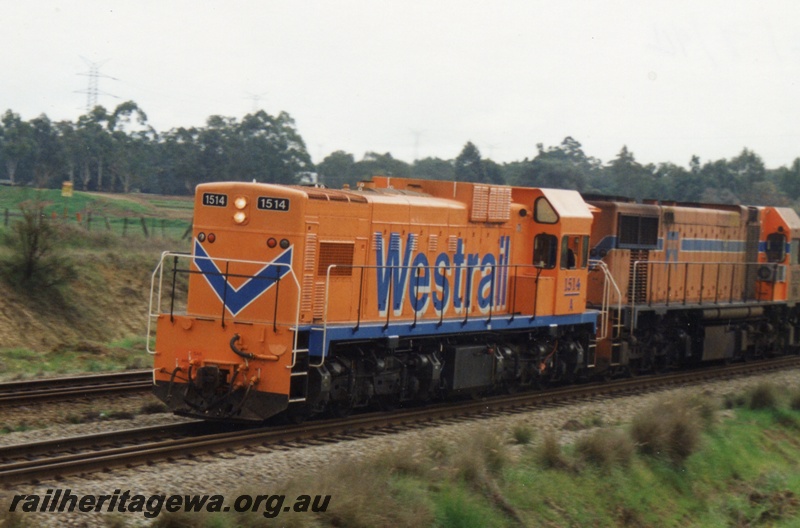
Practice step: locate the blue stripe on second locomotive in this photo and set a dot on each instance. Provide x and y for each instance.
(688, 245)
(712, 245)
(320, 340)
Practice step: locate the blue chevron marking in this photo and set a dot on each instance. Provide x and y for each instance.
(237, 299)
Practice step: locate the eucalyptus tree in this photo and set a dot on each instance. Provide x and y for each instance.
(469, 165)
(269, 149)
(72, 153)
(434, 169)
(95, 146)
(562, 167)
(131, 145)
(375, 164)
(16, 143)
(628, 177)
(48, 153)
(337, 169)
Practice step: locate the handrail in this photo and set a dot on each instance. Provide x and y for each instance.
(468, 292)
(156, 288)
(636, 307)
(608, 283)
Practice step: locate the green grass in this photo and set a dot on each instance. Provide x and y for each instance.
(117, 214)
(17, 363)
(745, 472)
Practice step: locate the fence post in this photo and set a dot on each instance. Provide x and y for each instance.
(188, 230)
(6, 216)
(144, 228)
(124, 226)
(89, 221)
(108, 224)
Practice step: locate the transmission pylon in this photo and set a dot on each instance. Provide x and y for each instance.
(93, 90)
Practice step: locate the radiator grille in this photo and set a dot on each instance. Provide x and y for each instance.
(637, 279)
(319, 300)
(311, 252)
(338, 253)
(308, 293)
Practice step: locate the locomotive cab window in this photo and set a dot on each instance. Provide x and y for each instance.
(795, 260)
(573, 252)
(776, 247)
(543, 212)
(545, 249)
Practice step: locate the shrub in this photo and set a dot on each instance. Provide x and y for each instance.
(668, 429)
(482, 452)
(763, 396)
(605, 448)
(549, 453)
(522, 434)
(35, 261)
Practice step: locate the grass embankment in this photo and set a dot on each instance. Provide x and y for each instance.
(680, 463)
(96, 319)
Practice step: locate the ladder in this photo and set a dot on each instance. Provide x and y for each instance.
(298, 384)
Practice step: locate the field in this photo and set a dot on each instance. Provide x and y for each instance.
(165, 217)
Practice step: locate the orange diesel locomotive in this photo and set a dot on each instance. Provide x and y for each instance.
(696, 282)
(302, 300)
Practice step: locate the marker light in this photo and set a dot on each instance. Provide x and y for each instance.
(240, 202)
(201, 237)
(212, 237)
(271, 243)
(284, 243)
(239, 217)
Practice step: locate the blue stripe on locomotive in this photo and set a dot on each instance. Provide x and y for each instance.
(320, 340)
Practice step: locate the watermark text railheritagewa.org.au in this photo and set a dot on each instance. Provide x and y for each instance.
(63, 500)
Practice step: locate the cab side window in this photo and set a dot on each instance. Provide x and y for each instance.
(776, 247)
(545, 249)
(574, 250)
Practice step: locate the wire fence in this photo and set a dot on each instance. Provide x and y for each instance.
(147, 227)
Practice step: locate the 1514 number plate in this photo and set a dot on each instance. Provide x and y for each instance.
(215, 199)
(268, 203)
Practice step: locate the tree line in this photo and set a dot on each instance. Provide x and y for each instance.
(118, 151)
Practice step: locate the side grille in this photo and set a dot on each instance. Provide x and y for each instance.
(637, 280)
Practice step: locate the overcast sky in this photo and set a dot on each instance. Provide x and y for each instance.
(421, 78)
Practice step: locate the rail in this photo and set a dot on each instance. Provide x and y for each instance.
(55, 467)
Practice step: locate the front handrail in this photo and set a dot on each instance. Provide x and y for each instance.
(157, 286)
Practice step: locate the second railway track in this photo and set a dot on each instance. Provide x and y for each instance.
(36, 462)
(55, 389)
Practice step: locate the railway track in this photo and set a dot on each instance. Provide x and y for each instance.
(40, 390)
(37, 462)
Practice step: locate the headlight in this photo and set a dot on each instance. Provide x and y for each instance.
(240, 202)
(239, 217)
